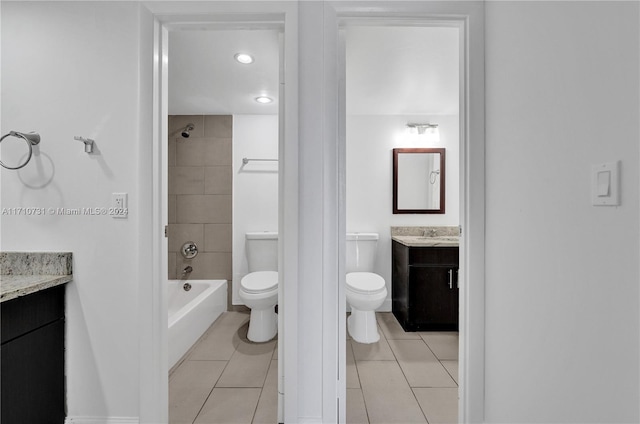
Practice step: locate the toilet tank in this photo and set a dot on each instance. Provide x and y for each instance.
(361, 251)
(262, 251)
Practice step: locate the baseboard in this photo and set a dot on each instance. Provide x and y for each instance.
(102, 420)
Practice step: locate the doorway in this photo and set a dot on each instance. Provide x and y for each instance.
(397, 76)
(251, 119)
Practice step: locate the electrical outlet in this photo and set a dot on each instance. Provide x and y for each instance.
(119, 207)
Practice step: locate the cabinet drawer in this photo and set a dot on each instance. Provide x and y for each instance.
(433, 256)
(27, 313)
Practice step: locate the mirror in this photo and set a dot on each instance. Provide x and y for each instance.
(418, 180)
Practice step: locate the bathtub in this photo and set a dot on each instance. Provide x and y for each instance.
(192, 312)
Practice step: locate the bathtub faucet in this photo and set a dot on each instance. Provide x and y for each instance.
(187, 270)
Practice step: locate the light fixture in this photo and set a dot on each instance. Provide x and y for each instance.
(264, 99)
(243, 58)
(429, 131)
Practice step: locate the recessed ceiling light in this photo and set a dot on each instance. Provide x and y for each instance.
(244, 58)
(264, 99)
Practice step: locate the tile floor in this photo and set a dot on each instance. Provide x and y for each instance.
(404, 378)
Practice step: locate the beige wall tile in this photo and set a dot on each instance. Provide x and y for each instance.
(218, 126)
(172, 266)
(179, 234)
(178, 122)
(218, 179)
(172, 152)
(218, 237)
(200, 186)
(207, 266)
(190, 152)
(207, 209)
(186, 180)
(172, 209)
(217, 151)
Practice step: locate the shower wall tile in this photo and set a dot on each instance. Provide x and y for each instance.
(179, 234)
(218, 179)
(218, 237)
(172, 209)
(172, 266)
(186, 180)
(172, 152)
(217, 151)
(206, 209)
(218, 126)
(190, 151)
(200, 188)
(178, 122)
(207, 265)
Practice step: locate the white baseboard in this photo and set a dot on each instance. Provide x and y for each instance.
(102, 420)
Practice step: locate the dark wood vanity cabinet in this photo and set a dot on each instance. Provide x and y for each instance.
(32, 358)
(425, 287)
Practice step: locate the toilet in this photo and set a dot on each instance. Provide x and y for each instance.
(259, 288)
(365, 290)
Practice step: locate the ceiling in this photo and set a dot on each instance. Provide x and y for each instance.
(390, 71)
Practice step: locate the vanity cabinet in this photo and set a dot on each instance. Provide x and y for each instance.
(32, 358)
(425, 287)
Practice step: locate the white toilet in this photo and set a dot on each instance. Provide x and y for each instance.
(365, 290)
(259, 288)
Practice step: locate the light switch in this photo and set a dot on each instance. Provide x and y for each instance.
(605, 184)
(604, 180)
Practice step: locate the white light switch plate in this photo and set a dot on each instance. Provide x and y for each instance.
(605, 184)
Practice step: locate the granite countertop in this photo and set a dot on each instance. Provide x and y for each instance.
(426, 236)
(23, 273)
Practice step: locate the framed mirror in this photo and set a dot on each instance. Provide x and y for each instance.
(418, 180)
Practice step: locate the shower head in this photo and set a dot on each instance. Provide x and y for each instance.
(185, 131)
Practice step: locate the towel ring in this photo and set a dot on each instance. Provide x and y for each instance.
(31, 138)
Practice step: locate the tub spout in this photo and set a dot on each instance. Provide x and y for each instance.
(187, 270)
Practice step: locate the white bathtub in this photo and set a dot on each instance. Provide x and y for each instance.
(192, 312)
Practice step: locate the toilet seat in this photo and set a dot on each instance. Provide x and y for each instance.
(365, 283)
(259, 282)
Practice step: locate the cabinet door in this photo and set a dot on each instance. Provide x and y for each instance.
(33, 377)
(433, 297)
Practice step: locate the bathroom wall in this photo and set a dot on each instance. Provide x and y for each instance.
(200, 195)
(76, 69)
(255, 185)
(370, 141)
(562, 277)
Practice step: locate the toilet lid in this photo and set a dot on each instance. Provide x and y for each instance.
(260, 281)
(365, 282)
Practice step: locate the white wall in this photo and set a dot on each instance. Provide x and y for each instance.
(73, 69)
(370, 141)
(255, 185)
(561, 275)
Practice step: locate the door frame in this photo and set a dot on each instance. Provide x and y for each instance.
(469, 18)
(153, 346)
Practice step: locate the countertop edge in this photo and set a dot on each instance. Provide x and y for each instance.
(28, 284)
(423, 242)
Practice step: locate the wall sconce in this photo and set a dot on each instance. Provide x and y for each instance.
(430, 132)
